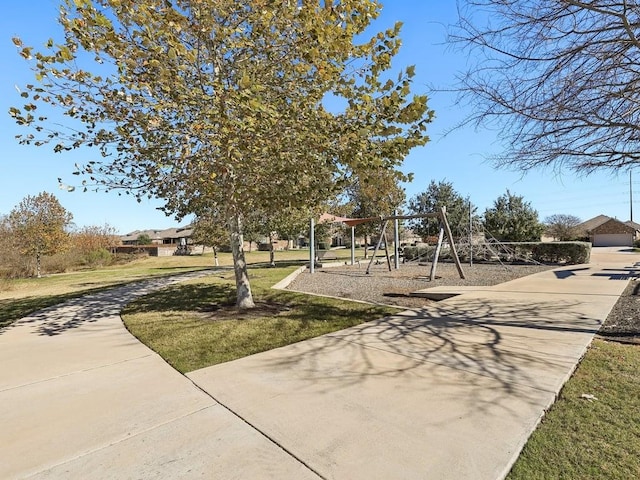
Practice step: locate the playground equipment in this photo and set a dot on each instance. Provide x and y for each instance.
(352, 222)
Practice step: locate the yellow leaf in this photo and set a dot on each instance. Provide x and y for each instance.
(245, 81)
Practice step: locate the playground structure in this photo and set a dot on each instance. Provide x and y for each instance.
(444, 229)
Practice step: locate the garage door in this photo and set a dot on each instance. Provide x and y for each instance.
(612, 240)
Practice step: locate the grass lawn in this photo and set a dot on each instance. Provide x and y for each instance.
(22, 296)
(193, 324)
(590, 439)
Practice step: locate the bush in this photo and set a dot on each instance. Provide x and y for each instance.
(98, 258)
(562, 252)
(570, 253)
(421, 251)
(62, 262)
(14, 265)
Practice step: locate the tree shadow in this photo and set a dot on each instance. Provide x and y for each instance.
(511, 346)
(15, 309)
(184, 298)
(82, 308)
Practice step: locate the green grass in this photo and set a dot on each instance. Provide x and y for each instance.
(582, 439)
(182, 325)
(21, 297)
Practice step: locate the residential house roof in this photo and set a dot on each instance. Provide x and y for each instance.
(594, 223)
(633, 224)
(179, 232)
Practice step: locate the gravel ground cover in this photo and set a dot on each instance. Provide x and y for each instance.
(623, 322)
(393, 287)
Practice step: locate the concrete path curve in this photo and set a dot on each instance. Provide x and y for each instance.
(80, 398)
(452, 391)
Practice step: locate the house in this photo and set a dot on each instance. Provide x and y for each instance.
(169, 236)
(171, 241)
(604, 231)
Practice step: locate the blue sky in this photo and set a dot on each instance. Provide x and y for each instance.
(460, 157)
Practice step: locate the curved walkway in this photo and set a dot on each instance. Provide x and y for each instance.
(82, 398)
(452, 391)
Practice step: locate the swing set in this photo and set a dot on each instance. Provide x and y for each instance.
(445, 229)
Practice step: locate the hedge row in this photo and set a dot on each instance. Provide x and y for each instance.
(570, 253)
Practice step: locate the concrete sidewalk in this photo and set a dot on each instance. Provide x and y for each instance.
(449, 392)
(83, 399)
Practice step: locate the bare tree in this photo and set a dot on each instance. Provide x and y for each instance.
(562, 226)
(561, 80)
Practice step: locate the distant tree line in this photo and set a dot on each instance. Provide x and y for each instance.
(509, 219)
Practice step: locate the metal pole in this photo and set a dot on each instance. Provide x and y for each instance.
(312, 247)
(470, 235)
(396, 241)
(630, 198)
(353, 245)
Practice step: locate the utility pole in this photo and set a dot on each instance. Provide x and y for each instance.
(630, 197)
(470, 233)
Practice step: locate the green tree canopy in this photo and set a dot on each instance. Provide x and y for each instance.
(38, 226)
(511, 219)
(437, 195)
(221, 103)
(374, 194)
(143, 239)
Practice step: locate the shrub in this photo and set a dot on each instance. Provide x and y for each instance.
(61, 262)
(553, 252)
(421, 251)
(98, 258)
(562, 252)
(557, 252)
(14, 265)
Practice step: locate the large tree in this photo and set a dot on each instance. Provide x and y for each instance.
(223, 103)
(560, 78)
(512, 219)
(38, 226)
(437, 195)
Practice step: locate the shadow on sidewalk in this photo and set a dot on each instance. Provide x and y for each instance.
(514, 344)
(92, 307)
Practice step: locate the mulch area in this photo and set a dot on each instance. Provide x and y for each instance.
(393, 288)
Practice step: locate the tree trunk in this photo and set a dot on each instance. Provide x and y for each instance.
(215, 256)
(366, 246)
(243, 288)
(272, 253)
(38, 273)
